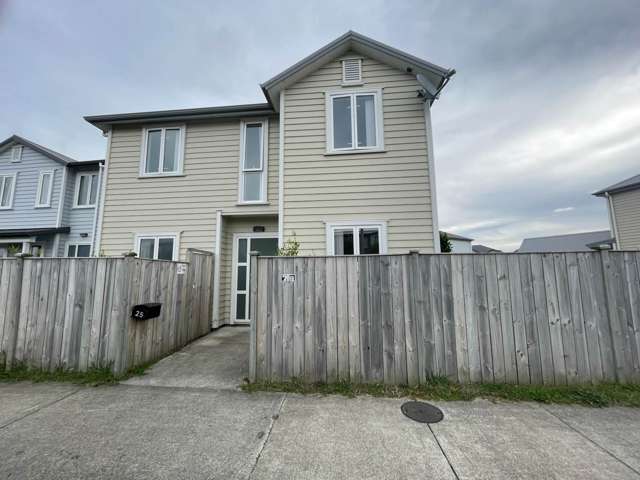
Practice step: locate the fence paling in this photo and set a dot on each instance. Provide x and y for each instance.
(76, 313)
(551, 318)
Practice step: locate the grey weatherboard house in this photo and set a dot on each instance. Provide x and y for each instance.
(623, 203)
(48, 201)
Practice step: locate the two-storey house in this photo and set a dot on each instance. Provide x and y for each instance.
(48, 201)
(339, 157)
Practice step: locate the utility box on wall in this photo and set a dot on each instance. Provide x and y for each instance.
(146, 311)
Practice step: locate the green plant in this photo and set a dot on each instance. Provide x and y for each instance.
(290, 248)
(13, 249)
(130, 254)
(445, 243)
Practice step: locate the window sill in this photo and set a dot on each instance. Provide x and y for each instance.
(82, 207)
(164, 175)
(352, 84)
(244, 204)
(42, 206)
(355, 151)
(6, 208)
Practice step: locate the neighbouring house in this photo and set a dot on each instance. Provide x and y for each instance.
(623, 203)
(459, 244)
(339, 157)
(48, 201)
(573, 242)
(479, 248)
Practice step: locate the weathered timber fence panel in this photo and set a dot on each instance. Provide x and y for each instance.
(75, 313)
(552, 318)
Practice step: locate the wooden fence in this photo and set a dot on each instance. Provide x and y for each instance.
(75, 313)
(561, 318)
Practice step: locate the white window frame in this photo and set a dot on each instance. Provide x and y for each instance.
(76, 195)
(179, 160)
(352, 93)
(76, 244)
(356, 225)
(13, 189)
(156, 237)
(16, 158)
(264, 122)
(41, 175)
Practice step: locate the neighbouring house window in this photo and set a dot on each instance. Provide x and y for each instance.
(78, 250)
(16, 153)
(253, 162)
(157, 246)
(162, 151)
(45, 187)
(86, 190)
(355, 121)
(345, 238)
(7, 190)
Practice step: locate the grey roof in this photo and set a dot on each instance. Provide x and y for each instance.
(16, 232)
(573, 242)
(484, 249)
(629, 184)
(353, 41)
(254, 109)
(436, 76)
(453, 236)
(47, 152)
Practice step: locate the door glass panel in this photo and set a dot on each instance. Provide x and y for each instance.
(165, 249)
(241, 301)
(343, 242)
(146, 247)
(266, 247)
(242, 250)
(241, 284)
(369, 241)
(83, 250)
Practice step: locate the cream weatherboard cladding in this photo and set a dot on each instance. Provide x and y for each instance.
(187, 203)
(391, 186)
(626, 206)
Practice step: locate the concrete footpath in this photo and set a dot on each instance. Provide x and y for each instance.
(153, 428)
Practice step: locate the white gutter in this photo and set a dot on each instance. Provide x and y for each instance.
(281, 174)
(612, 221)
(217, 248)
(432, 177)
(103, 196)
(95, 213)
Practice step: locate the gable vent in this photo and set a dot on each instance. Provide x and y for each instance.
(352, 70)
(16, 153)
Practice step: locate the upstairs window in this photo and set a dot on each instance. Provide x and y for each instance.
(253, 162)
(346, 238)
(16, 153)
(45, 187)
(78, 250)
(7, 190)
(162, 151)
(157, 246)
(354, 121)
(86, 190)
(352, 71)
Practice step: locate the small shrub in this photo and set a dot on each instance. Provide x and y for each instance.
(290, 248)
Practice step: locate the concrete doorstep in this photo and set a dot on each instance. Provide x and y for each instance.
(163, 426)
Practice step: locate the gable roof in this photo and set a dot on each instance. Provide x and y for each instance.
(453, 236)
(47, 152)
(479, 248)
(629, 184)
(434, 76)
(573, 242)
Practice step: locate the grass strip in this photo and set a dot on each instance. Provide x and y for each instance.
(601, 395)
(92, 377)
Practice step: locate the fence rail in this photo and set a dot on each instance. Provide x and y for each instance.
(75, 313)
(561, 318)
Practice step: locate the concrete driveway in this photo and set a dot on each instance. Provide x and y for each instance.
(160, 427)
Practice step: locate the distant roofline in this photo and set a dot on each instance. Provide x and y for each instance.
(47, 152)
(455, 236)
(567, 235)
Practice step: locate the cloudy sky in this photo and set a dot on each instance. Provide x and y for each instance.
(544, 110)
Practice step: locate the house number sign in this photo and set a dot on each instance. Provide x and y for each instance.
(288, 277)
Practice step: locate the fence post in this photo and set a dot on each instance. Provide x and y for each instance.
(253, 317)
(12, 317)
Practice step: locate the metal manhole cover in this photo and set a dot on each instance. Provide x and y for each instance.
(422, 412)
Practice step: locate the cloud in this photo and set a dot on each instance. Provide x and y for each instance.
(544, 110)
(563, 209)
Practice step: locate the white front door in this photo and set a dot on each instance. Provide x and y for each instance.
(266, 244)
